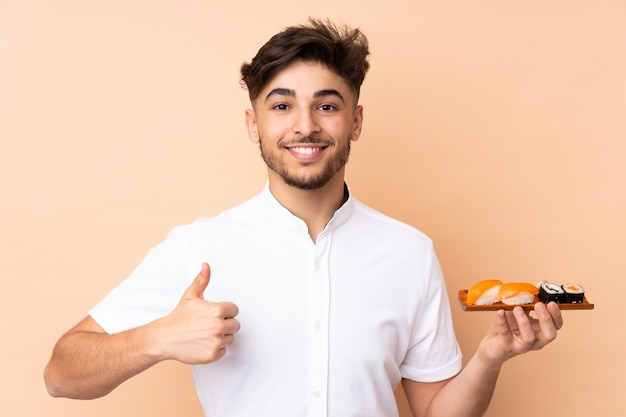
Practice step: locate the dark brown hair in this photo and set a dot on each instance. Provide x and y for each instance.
(341, 49)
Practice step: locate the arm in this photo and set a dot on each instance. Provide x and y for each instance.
(88, 363)
(468, 394)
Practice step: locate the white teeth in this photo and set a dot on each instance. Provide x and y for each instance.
(305, 151)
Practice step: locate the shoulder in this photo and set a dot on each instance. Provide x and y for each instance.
(236, 216)
(386, 224)
(371, 230)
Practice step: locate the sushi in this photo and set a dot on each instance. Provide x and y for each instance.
(574, 293)
(551, 292)
(484, 292)
(491, 292)
(517, 293)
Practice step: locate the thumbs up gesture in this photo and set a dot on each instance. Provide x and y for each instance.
(198, 331)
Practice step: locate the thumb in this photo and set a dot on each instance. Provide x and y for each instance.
(199, 284)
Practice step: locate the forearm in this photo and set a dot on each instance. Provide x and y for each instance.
(87, 365)
(469, 393)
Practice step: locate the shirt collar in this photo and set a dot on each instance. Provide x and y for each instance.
(284, 217)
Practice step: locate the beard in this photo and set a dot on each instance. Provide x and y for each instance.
(307, 181)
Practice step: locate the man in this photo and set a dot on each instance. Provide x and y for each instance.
(337, 303)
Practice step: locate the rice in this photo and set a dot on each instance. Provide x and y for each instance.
(488, 297)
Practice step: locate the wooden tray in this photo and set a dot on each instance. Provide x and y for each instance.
(585, 305)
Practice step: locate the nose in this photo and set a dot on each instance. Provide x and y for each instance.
(305, 122)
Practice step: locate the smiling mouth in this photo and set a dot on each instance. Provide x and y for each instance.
(306, 150)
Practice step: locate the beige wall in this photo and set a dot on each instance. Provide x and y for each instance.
(495, 127)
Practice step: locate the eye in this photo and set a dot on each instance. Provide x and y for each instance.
(327, 107)
(280, 106)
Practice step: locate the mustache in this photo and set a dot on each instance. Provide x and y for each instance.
(309, 140)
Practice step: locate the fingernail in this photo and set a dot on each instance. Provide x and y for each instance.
(540, 307)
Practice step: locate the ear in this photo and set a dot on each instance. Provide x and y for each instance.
(251, 125)
(357, 122)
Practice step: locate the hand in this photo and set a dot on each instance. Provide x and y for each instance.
(198, 331)
(515, 332)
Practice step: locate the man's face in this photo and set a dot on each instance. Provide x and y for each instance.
(304, 120)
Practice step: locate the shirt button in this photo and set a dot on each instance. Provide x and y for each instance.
(317, 327)
(317, 393)
(318, 264)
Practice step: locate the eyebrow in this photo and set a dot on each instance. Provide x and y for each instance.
(291, 93)
(328, 92)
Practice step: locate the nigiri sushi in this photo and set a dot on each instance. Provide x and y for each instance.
(484, 292)
(517, 293)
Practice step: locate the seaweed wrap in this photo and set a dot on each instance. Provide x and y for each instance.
(551, 292)
(574, 293)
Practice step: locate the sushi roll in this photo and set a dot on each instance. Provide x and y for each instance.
(517, 293)
(484, 292)
(574, 293)
(551, 292)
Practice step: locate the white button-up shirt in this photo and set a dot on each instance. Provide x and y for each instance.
(327, 328)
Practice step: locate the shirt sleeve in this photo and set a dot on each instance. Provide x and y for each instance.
(152, 290)
(434, 354)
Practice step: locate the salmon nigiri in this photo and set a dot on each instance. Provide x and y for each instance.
(517, 293)
(484, 292)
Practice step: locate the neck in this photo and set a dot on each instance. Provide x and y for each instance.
(314, 207)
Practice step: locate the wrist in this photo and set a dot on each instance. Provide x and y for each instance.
(486, 357)
(155, 341)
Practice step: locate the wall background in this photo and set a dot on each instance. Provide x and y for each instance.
(495, 127)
